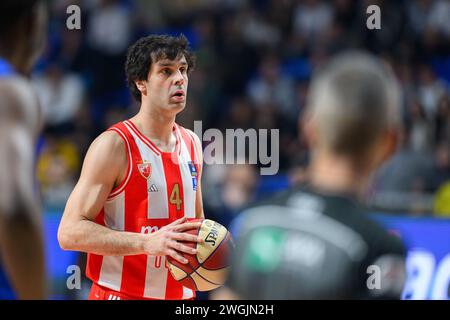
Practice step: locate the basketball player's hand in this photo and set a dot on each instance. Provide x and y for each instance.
(166, 241)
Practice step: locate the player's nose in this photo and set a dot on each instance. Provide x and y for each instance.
(179, 78)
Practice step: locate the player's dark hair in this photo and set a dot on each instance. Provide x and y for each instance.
(150, 49)
(13, 11)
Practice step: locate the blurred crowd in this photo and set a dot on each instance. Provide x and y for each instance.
(254, 62)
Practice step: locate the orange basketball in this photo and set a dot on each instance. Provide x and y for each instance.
(207, 269)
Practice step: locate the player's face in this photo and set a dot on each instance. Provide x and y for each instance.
(167, 84)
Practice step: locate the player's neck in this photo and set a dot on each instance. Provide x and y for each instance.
(337, 175)
(156, 126)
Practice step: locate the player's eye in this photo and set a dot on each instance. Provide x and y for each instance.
(183, 69)
(166, 71)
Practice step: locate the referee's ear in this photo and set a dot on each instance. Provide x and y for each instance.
(388, 144)
(308, 130)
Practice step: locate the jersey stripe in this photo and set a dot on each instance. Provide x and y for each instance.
(115, 213)
(190, 143)
(188, 184)
(123, 184)
(94, 261)
(158, 200)
(173, 178)
(189, 194)
(131, 126)
(136, 202)
(156, 277)
(111, 269)
(195, 152)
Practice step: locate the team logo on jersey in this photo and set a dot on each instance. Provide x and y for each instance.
(194, 174)
(145, 168)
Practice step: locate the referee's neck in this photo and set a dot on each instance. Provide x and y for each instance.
(337, 175)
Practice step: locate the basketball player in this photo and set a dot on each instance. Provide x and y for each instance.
(140, 184)
(316, 241)
(22, 34)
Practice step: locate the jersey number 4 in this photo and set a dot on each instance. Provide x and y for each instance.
(175, 196)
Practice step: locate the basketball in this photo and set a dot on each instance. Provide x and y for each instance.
(207, 269)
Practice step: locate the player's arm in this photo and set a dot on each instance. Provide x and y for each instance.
(199, 214)
(21, 239)
(105, 160)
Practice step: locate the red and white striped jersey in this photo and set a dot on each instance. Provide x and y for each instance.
(159, 188)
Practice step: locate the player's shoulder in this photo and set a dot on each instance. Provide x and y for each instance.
(105, 158)
(17, 95)
(110, 137)
(109, 143)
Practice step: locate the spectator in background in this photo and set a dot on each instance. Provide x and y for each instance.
(66, 46)
(312, 18)
(425, 15)
(430, 91)
(60, 93)
(272, 87)
(257, 31)
(344, 14)
(441, 173)
(204, 93)
(109, 28)
(56, 170)
(150, 14)
(392, 25)
(278, 13)
(237, 53)
(438, 19)
(420, 130)
(110, 31)
(241, 114)
(237, 191)
(403, 171)
(419, 15)
(442, 120)
(71, 55)
(441, 205)
(404, 72)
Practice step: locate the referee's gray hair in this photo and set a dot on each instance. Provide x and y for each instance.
(354, 99)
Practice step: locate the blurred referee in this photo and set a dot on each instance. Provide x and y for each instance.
(22, 34)
(316, 241)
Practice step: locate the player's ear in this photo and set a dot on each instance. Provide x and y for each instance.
(140, 84)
